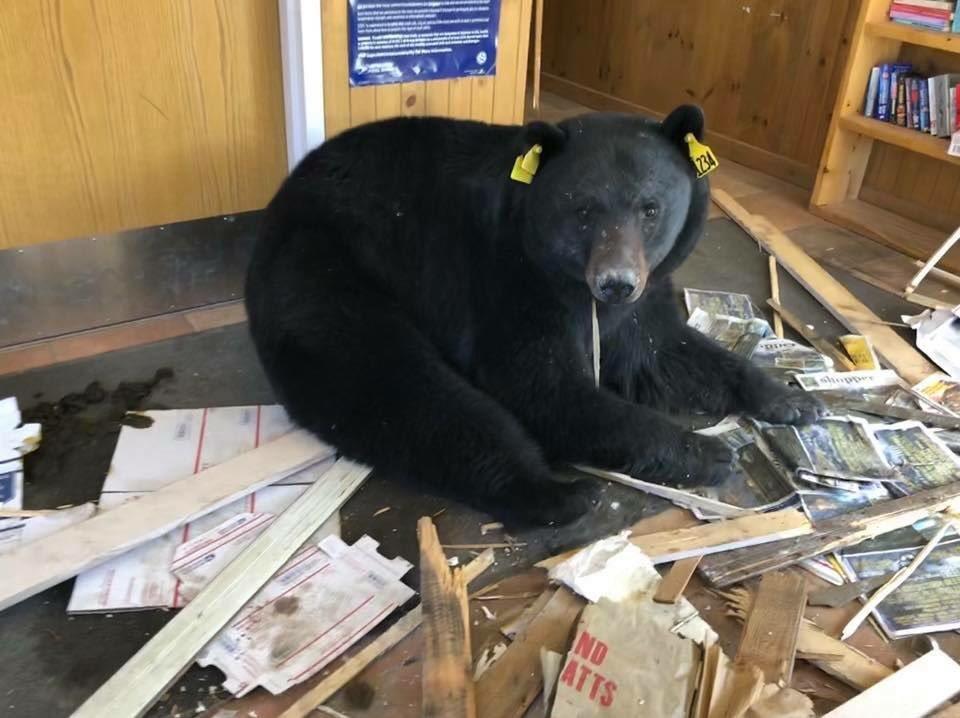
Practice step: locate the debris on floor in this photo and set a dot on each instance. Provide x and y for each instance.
(723, 608)
(16, 440)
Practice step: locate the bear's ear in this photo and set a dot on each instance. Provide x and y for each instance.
(682, 121)
(549, 136)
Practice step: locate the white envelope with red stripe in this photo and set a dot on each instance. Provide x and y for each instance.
(324, 599)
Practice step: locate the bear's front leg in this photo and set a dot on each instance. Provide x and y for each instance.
(548, 387)
(694, 372)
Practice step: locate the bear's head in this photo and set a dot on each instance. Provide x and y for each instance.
(611, 199)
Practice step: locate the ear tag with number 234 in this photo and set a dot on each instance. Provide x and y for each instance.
(704, 161)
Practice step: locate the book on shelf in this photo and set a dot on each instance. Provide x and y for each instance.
(898, 95)
(927, 14)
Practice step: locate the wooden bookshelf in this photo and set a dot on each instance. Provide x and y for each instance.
(913, 140)
(946, 41)
(846, 153)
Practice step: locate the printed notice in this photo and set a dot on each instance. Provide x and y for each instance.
(409, 40)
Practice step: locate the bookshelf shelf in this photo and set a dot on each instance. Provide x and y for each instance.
(875, 41)
(913, 140)
(946, 41)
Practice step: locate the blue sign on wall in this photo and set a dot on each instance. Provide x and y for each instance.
(409, 40)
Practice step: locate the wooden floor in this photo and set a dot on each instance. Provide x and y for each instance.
(782, 203)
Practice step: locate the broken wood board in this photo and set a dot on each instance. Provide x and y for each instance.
(831, 535)
(836, 596)
(878, 408)
(55, 558)
(769, 638)
(447, 664)
(155, 667)
(356, 663)
(708, 538)
(676, 580)
(511, 684)
(837, 299)
(911, 692)
(814, 645)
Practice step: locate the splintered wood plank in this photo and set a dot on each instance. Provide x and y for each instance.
(715, 537)
(676, 580)
(831, 535)
(155, 667)
(769, 639)
(447, 664)
(355, 665)
(836, 298)
(511, 684)
(55, 558)
(911, 692)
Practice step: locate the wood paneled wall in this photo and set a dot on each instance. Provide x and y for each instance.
(765, 71)
(498, 99)
(118, 114)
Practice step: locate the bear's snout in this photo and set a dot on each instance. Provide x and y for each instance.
(616, 286)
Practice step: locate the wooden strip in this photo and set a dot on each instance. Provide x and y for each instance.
(355, 665)
(447, 662)
(677, 496)
(848, 310)
(460, 89)
(726, 535)
(511, 684)
(336, 85)
(363, 105)
(438, 98)
(389, 100)
(481, 98)
(769, 638)
(830, 655)
(520, 86)
(775, 295)
(537, 53)
(508, 69)
(48, 561)
(878, 408)
(911, 692)
(155, 667)
(840, 360)
(831, 535)
(673, 586)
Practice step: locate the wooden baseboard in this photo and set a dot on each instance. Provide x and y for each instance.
(771, 163)
(934, 217)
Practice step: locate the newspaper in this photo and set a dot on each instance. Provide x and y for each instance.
(784, 357)
(729, 304)
(180, 443)
(15, 441)
(875, 386)
(927, 602)
(323, 600)
(921, 459)
(941, 389)
(837, 452)
(938, 336)
(757, 481)
(740, 336)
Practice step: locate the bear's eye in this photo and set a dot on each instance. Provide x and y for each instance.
(650, 211)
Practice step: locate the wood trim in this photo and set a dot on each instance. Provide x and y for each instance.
(779, 166)
(48, 561)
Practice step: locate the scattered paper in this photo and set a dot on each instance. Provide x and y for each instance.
(741, 336)
(321, 602)
(15, 441)
(180, 443)
(783, 358)
(938, 336)
(625, 662)
(616, 570)
(941, 389)
(728, 304)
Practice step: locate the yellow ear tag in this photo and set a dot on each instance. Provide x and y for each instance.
(526, 166)
(704, 161)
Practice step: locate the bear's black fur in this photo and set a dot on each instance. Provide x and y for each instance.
(427, 315)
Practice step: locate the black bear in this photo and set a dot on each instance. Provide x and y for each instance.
(425, 313)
